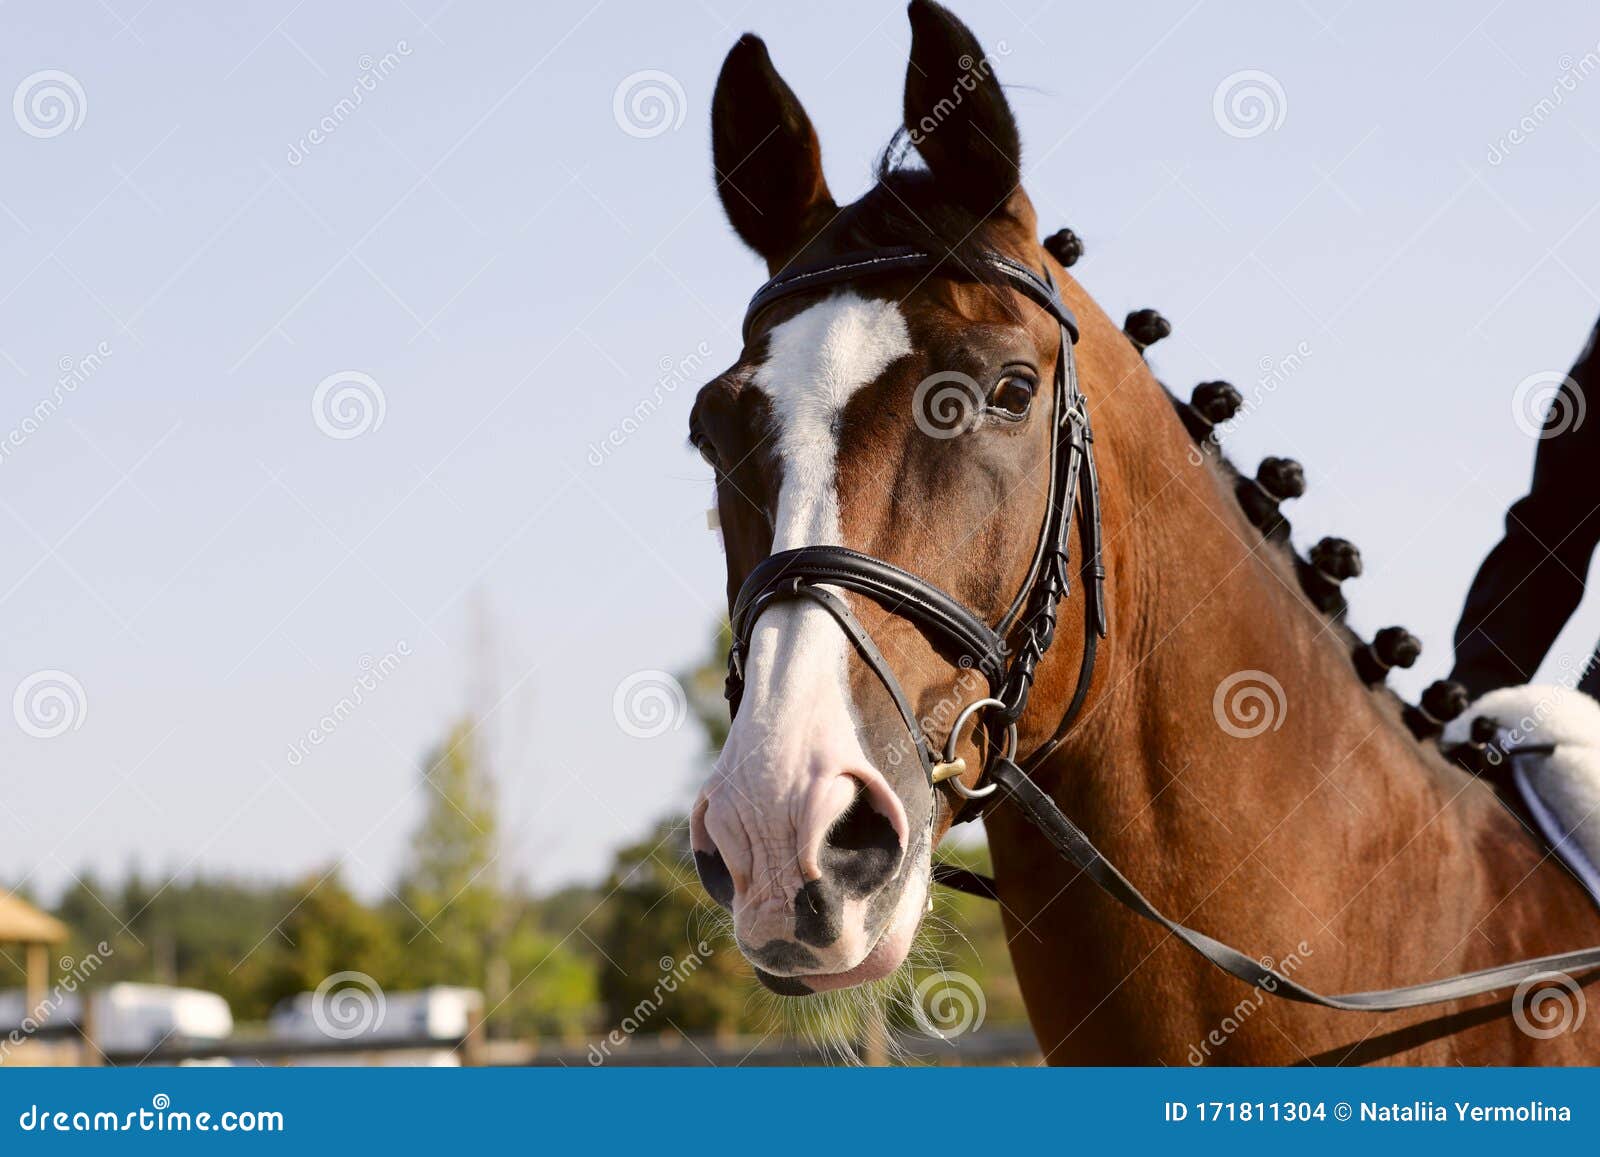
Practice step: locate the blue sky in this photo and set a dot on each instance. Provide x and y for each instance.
(482, 239)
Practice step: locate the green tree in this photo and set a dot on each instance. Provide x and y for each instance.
(553, 985)
(327, 930)
(450, 912)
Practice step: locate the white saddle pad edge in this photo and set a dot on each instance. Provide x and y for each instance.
(1561, 789)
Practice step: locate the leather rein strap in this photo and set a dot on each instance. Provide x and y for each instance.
(1068, 839)
(1008, 655)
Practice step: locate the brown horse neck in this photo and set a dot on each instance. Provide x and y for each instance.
(1321, 822)
(1197, 597)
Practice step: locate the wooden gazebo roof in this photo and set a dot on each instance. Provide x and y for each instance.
(22, 923)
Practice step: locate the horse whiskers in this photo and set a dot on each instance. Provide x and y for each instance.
(839, 1024)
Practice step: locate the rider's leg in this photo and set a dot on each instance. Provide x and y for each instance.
(1533, 579)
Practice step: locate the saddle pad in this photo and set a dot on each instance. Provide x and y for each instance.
(1560, 786)
(1567, 829)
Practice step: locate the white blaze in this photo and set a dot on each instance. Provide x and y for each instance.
(816, 362)
(797, 721)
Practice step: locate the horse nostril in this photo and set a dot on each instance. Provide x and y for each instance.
(861, 849)
(714, 876)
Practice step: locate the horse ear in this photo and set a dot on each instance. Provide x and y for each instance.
(767, 161)
(956, 114)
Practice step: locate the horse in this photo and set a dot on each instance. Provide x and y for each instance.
(1226, 748)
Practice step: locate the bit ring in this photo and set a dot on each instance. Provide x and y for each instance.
(950, 770)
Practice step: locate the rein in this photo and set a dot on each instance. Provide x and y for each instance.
(1008, 654)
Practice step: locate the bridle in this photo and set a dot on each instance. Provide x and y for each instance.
(1008, 654)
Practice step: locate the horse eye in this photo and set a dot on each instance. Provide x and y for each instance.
(1012, 396)
(703, 444)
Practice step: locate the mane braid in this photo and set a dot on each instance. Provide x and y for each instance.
(1284, 549)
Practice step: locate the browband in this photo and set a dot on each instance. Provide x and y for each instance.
(882, 262)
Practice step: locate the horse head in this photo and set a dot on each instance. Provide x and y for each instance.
(907, 416)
